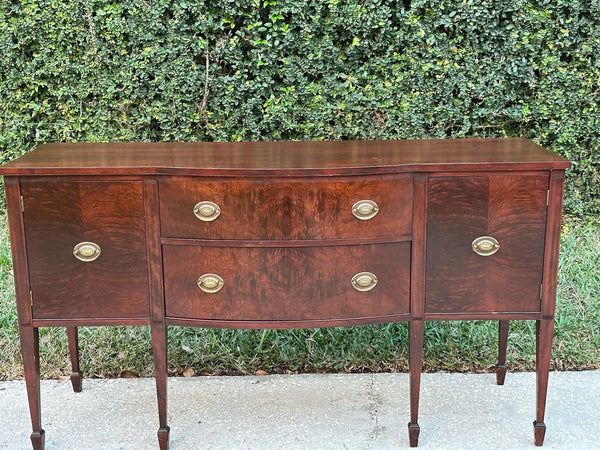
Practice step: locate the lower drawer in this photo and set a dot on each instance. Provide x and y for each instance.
(288, 284)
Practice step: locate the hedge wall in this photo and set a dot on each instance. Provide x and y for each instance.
(190, 70)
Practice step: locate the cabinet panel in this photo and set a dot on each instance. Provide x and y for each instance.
(58, 215)
(303, 283)
(281, 209)
(511, 209)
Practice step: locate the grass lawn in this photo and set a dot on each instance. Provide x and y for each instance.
(449, 346)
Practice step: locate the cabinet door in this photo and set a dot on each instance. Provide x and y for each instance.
(60, 215)
(510, 209)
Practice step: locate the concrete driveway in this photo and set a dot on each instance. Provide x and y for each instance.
(332, 411)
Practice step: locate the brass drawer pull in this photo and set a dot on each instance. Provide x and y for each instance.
(365, 209)
(206, 211)
(210, 283)
(87, 251)
(364, 281)
(485, 245)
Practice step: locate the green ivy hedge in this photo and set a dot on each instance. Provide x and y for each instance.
(189, 70)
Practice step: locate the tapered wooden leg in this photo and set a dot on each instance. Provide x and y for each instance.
(158, 328)
(30, 351)
(502, 343)
(415, 331)
(76, 375)
(159, 348)
(544, 331)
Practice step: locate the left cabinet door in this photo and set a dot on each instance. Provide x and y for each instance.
(103, 222)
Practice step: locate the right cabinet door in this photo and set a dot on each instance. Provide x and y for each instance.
(507, 209)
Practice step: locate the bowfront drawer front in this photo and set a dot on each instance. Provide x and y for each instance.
(86, 248)
(281, 209)
(293, 284)
(485, 243)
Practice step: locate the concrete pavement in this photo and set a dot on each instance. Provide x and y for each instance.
(332, 411)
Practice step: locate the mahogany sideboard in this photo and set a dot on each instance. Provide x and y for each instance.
(284, 235)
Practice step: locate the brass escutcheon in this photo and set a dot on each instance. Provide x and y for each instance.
(365, 209)
(210, 283)
(87, 251)
(206, 211)
(364, 281)
(485, 245)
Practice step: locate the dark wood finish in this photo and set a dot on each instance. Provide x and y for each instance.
(266, 283)
(511, 209)
(18, 249)
(158, 328)
(417, 302)
(159, 353)
(38, 439)
(91, 322)
(418, 255)
(284, 158)
(76, 375)
(484, 316)
(286, 242)
(545, 326)
(281, 243)
(503, 326)
(539, 431)
(59, 215)
(30, 350)
(282, 209)
(284, 325)
(154, 253)
(415, 336)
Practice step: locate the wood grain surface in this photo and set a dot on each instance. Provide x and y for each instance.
(59, 215)
(284, 157)
(281, 209)
(511, 209)
(287, 283)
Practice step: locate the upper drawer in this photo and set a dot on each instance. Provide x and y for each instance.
(283, 209)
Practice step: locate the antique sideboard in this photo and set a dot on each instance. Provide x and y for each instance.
(284, 235)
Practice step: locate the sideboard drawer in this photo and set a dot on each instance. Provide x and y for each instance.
(107, 217)
(509, 209)
(267, 283)
(283, 209)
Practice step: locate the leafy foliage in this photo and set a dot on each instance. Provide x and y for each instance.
(99, 70)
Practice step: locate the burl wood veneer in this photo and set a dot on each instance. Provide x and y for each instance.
(284, 235)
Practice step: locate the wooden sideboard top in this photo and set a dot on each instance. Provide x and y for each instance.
(285, 158)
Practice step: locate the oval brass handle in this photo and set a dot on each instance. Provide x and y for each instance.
(364, 281)
(210, 283)
(365, 209)
(485, 245)
(87, 251)
(206, 211)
